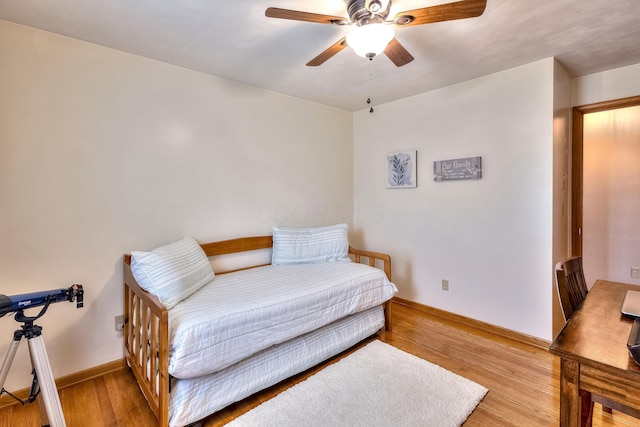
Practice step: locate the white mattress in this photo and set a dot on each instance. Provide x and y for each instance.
(241, 313)
(193, 399)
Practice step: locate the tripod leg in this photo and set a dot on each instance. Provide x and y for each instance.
(8, 360)
(48, 392)
(44, 418)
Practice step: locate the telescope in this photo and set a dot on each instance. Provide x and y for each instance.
(43, 387)
(9, 304)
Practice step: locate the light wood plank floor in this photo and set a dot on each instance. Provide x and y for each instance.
(522, 381)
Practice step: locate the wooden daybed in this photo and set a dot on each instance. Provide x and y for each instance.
(147, 344)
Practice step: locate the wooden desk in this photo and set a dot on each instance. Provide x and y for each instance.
(594, 357)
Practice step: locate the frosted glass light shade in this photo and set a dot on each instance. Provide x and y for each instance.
(370, 40)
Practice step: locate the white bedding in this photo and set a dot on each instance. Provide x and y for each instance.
(241, 313)
(193, 399)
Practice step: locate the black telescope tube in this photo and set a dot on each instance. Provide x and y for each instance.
(5, 304)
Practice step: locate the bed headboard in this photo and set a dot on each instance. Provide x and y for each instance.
(243, 244)
(247, 244)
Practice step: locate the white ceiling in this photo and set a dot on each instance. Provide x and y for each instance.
(234, 40)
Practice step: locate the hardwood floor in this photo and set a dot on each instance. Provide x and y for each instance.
(522, 380)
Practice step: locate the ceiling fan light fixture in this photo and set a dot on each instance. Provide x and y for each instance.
(370, 40)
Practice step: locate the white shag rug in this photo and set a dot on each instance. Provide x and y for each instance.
(378, 385)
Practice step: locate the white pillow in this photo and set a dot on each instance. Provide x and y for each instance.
(310, 245)
(172, 272)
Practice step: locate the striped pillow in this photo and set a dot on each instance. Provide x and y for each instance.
(172, 272)
(310, 245)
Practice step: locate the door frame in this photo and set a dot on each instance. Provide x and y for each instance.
(577, 162)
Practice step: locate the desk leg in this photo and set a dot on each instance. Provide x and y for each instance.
(576, 406)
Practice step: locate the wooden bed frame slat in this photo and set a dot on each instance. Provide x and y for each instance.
(243, 244)
(146, 327)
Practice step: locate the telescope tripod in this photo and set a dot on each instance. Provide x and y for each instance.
(43, 388)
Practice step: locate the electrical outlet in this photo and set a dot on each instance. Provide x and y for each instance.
(445, 285)
(635, 272)
(119, 323)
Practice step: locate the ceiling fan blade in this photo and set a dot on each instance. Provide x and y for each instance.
(397, 53)
(444, 12)
(327, 54)
(274, 12)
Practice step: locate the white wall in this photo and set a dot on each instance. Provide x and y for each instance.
(606, 86)
(491, 238)
(103, 152)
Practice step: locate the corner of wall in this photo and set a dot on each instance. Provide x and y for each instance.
(561, 183)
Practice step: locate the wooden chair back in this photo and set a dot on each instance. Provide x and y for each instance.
(563, 295)
(572, 286)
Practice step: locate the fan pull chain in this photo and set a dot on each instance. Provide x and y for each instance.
(369, 72)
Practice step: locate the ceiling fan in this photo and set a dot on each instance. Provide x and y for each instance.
(373, 33)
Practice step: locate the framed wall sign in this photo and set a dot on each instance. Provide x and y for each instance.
(401, 169)
(457, 169)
